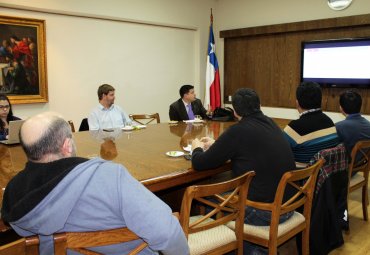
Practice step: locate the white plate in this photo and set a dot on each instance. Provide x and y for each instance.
(173, 122)
(127, 128)
(175, 153)
(194, 121)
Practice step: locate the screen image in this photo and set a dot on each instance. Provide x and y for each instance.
(337, 63)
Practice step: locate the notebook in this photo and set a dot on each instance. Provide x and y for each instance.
(13, 134)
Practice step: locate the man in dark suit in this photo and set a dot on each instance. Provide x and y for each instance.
(187, 106)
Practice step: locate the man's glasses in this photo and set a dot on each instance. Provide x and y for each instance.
(4, 107)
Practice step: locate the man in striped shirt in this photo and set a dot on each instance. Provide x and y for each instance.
(314, 130)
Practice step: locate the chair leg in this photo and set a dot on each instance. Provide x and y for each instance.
(365, 201)
(348, 231)
(305, 242)
(273, 251)
(240, 250)
(272, 248)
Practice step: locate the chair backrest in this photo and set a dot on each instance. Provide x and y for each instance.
(212, 195)
(148, 117)
(70, 122)
(23, 246)
(336, 161)
(304, 191)
(362, 150)
(79, 241)
(303, 182)
(84, 126)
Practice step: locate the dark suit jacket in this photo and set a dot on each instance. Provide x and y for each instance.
(179, 113)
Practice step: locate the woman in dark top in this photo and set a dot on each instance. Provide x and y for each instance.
(6, 115)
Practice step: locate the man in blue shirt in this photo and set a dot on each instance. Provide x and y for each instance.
(107, 115)
(355, 127)
(60, 192)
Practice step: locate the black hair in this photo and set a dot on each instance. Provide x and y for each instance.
(10, 113)
(309, 95)
(15, 38)
(350, 101)
(185, 89)
(245, 102)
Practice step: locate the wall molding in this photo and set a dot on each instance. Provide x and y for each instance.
(94, 16)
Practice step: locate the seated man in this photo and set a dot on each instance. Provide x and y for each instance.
(314, 130)
(355, 127)
(187, 106)
(254, 143)
(107, 115)
(58, 192)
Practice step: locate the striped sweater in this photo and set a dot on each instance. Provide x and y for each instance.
(312, 132)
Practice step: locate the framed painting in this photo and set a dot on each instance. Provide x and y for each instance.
(23, 76)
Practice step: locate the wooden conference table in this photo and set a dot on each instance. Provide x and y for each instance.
(142, 152)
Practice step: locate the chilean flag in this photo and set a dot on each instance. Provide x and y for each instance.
(213, 93)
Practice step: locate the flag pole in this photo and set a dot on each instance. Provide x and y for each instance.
(213, 99)
(211, 17)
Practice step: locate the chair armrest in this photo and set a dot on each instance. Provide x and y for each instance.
(259, 205)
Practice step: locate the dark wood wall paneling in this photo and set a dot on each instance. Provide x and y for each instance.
(268, 58)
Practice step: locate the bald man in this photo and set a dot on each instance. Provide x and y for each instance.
(58, 192)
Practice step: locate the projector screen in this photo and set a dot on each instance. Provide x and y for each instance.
(337, 63)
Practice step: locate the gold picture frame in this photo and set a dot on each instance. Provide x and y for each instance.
(23, 76)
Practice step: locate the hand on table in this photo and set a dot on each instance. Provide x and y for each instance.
(196, 143)
(207, 142)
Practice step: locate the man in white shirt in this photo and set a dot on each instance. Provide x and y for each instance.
(107, 115)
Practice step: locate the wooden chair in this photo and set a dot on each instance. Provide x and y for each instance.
(80, 241)
(70, 122)
(274, 235)
(23, 246)
(211, 236)
(148, 117)
(360, 180)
